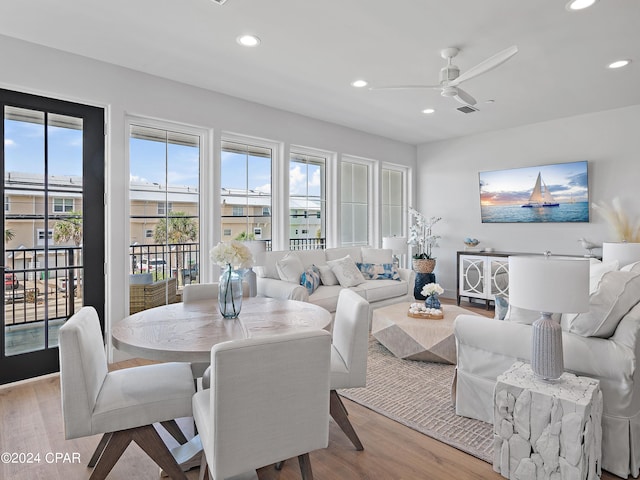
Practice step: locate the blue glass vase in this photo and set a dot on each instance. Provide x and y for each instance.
(230, 293)
(432, 301)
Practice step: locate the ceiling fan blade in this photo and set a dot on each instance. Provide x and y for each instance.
(405, 87)
(464, 98)
(488, 64)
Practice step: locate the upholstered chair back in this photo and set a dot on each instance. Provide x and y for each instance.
(269, 401)
(199, 291)
(83, 369)
(350, 341)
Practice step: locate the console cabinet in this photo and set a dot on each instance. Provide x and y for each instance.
(483, 275)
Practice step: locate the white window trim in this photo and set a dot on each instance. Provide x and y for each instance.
(407, 193)
(39, 241)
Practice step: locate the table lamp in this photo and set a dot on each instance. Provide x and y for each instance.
(624, 252)
(257, 248)
(398, 245)
(548, 284)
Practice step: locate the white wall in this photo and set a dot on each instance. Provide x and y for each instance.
(35, 69)
(447, 182)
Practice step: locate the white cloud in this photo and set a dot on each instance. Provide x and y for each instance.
(9, 143)
(266, 188)
(297, 181)
(137, 178)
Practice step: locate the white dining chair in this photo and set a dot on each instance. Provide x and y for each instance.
(348, 355)
(122, 404)
(199, 291)
(269, 400)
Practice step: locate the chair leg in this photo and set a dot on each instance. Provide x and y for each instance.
(204, 468)
(116, 445)
(99, 449)
(172, 427)
(305, 466)
(339, 414)
(148, 439)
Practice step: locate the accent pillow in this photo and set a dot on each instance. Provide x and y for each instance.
(378, 271)
(617, 293)
(377, 255)
(310, 279)
(632, 267)
(290, 268)
(346, 271)
(597, 269)
(327, 276)
(502, 306)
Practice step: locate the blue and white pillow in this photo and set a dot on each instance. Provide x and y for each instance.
(310, 279)
(379, 271)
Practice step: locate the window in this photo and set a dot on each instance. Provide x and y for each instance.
(62, 205)
(393, 200)
(164, 211)
(6, 204)
(307, 199)
(257, 233)
(164, 208)
(40, 232)
(245, 178)
(354, 208)
(227, 232)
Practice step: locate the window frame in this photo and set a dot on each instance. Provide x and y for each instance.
(372, 197)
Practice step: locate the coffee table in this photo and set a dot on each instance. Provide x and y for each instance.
(417, 338)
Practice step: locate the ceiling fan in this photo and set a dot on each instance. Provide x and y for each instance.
(450, 76)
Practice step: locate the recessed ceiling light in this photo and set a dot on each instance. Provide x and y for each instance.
(248, 40)
(427, 111)
(359, 83)
(579, 4)
(619, 63)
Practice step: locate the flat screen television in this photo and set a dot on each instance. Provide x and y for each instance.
(545, 193)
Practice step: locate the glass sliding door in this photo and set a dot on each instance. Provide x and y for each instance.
(53, 251)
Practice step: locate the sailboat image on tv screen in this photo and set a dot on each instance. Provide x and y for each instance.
(541, 197)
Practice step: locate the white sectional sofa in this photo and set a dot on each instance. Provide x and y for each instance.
(378, 292)
(597, 348)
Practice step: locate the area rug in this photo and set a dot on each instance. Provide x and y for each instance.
(418, 395)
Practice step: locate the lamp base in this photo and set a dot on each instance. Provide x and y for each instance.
(546, 348)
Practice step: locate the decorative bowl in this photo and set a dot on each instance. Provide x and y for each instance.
(471, 243)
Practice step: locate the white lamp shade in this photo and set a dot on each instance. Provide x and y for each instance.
(397, 244)
(624, 252)
(549, 284)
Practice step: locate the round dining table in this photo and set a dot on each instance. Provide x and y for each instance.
(181, 332)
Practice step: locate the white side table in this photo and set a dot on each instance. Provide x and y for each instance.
(549, 430)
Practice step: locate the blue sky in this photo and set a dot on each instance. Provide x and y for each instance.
(150, 161)
(24, 149)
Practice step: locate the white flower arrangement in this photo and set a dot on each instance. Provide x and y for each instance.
(420, 235)
(431, 288)
(625, 229)
(232, 253)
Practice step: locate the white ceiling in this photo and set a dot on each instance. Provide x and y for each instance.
(312, 50)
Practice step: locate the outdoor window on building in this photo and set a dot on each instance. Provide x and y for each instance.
(164, 208)
(62, 205)
(41, 237)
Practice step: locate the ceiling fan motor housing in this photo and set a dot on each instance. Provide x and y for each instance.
(449, 73)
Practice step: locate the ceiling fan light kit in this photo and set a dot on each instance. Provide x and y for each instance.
(575, 5)
(450, 76)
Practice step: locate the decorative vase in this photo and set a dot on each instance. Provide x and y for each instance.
(424, 265)
(432, 301)
(230, 293)
(546, 348)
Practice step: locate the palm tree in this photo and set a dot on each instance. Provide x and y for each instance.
(179, 230)
(8, 235)
(69, 228)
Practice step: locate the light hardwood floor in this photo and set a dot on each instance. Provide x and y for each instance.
(32, 423)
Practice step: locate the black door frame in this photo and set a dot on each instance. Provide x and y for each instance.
(41, 362)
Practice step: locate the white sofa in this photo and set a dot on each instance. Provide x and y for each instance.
(377, 292)
(488, 347)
